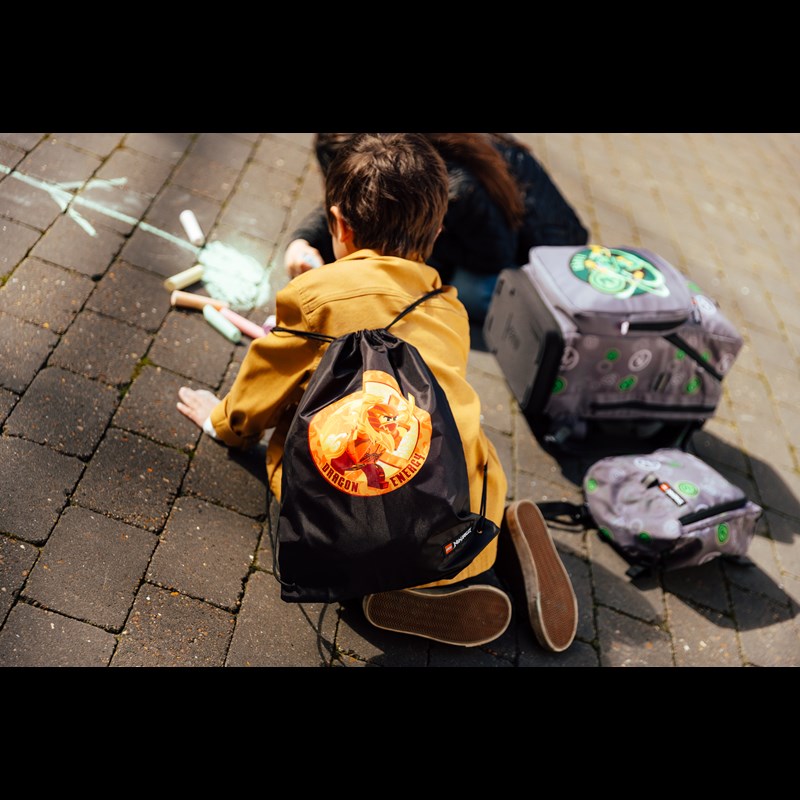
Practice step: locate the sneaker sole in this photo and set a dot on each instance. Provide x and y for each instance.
(466, 617)
(552, 605)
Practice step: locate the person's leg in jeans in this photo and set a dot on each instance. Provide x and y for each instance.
(475, 292)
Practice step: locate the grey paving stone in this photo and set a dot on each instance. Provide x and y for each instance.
(33, 637)
(480, 361)
(445, 655)
(711, 447)
(704, 584)
(290, 155)
(101, 348)
(275, 185)
(702, 637)
(504, 447)
(579, 573)
(264, 554)
(165, 212)
(15, 242)
(101, 144)
(755, 310)
(642, 598)
(628, 642)
(763, 438)
(206, 552)
(91, 568)
(142, 173)
(115, 207)
(255, 217)
(24, 347)
(132, 295)
(789, 416)
(236, 479)
(201, 175)
(529, 453)
(65, 411)
(166, 629)
(779, 489)
(70, 246)
(774, 352)
(223, 148)
(747, 392)
(149, 408)
(231, 372)
(55, 161)
(10, 155)
(272, 633)
(785, 532)
(27, 141)
(578, 654)
(132, 479)
(7, 402)
(43, 294)
(765, 574)
(161, 256)
(357, 639)
(166, 146)
(27, 204)
(36, 482)
(496, 401)
(768, 631)
(188, 345)
(16, 560)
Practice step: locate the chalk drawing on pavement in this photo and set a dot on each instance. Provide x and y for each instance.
(228, 274)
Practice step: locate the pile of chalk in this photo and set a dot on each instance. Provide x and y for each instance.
(216, 312)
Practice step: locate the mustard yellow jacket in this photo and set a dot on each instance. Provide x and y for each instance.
(361, 291)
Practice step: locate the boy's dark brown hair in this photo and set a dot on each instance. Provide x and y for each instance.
(475, 151)
(391, 189)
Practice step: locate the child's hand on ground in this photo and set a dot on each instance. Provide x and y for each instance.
(300, 256)
(196, 404)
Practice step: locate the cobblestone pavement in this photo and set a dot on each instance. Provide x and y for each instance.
(128, 538)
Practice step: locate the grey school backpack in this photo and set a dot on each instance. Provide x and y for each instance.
(663, 510)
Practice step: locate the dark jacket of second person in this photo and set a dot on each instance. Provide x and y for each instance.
(476, 235)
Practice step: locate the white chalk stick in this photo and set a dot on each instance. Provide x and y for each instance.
(192, 227)
(185, 278)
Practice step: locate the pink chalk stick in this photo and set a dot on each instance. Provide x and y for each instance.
(247, 327)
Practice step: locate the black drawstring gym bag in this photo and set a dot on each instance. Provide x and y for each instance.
(375, 492)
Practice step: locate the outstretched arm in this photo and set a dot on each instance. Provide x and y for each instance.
(197, 404)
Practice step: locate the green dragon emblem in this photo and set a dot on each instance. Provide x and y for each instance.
(617, 272)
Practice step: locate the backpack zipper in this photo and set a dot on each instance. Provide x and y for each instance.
(641, 404)
(712, 511)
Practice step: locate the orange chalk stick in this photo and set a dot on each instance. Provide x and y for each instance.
(190, 300)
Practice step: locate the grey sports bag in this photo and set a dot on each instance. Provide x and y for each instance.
(663, 510)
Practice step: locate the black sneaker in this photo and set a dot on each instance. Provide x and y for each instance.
(461, 615)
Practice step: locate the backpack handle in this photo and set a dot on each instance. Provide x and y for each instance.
(575, 514)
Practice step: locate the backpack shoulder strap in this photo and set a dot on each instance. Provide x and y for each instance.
(410, 308)
(320, 337)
